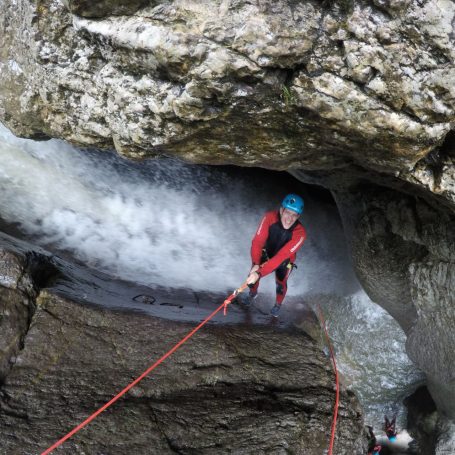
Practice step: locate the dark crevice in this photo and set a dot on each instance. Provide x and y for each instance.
(37, 136)
(433, 161)
(104, 10)
(374, 73)
(422, 419)
(289, 76)
(38, 272)
(408, 111)
(447, 148)
(257, 398)
(248, 79)
(307, 113)
(438, 157)
(41, 270)
(381, 10)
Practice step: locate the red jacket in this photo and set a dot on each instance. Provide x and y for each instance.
(279, 243)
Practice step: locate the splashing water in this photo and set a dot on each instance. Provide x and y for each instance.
(179, 225)
(370, 351)
(160, 222)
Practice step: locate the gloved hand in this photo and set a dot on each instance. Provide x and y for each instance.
(255, 268)
(252, 278)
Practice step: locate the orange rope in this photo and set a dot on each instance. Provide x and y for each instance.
(171, 351)
(232, 296)
(337, 397)
(146, 372)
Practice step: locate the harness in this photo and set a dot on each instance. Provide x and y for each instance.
(290, 265)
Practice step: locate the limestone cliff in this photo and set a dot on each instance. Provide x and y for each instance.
(283, 85)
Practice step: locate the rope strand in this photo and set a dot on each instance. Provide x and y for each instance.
(337, 396)
(142, 376)
(171, 351)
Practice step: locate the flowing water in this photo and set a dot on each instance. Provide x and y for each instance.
(186, 226)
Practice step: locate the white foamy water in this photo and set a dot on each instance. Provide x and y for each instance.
(173, 224)
(162, 222)
(371, 355)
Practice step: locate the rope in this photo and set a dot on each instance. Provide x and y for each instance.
(232, 296)
(337, 397)
(171, 351)
(146, 372)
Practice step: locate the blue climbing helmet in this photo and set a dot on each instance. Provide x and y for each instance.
(294, 203)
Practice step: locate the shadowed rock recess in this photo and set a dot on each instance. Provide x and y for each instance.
(229, 390)
(357, 96)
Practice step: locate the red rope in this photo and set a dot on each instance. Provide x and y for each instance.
(337, 397)
(232, 296)
(145, 373)
(170, 352)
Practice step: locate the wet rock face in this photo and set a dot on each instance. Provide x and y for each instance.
(404, 254)
(16, 307)
(237, 82)
(233, 389)
(14, 315)
(14, 273)
(446, 439)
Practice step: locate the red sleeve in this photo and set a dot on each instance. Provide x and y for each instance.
(288, 251)
(260, 237)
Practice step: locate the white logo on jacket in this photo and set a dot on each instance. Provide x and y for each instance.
(297, 245)
(260, 226)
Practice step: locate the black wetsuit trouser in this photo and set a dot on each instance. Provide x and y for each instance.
(281, 278)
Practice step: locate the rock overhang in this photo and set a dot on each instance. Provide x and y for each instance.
(278, 85)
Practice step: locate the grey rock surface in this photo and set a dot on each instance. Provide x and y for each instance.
(234, 389)
(446, 439)
(16, 307)
(404, 254)
(284, 85)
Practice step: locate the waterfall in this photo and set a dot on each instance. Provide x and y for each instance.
(165, 222)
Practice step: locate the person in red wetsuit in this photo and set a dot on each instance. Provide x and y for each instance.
(373, 447)
(376, 450)
(389, 428)
(273, 249)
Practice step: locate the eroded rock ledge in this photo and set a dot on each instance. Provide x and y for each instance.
(404, 255)
(279, 84)
(227, 391)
